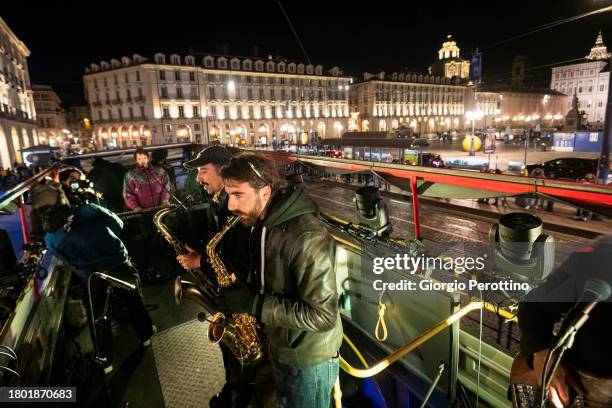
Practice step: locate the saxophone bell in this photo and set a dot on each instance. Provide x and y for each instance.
(192, 291)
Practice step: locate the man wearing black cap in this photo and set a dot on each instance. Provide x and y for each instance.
(233, 250)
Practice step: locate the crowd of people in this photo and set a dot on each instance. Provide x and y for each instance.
(10, 177)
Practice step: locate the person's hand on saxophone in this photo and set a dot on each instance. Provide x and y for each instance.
(191, 260)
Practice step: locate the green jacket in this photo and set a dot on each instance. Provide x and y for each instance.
(298, 282)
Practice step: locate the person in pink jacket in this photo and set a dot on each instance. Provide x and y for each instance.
(145, 186)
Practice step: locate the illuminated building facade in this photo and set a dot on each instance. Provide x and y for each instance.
(17, 112)
(50, 116)
(424, 103)
(519, 107)
(588, 80)
(232, 100)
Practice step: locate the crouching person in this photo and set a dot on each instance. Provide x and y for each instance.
(86, 238)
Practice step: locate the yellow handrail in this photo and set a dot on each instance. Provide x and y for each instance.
(392, 358)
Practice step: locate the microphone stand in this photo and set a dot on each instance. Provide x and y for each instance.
(99, 360)
(565, 343)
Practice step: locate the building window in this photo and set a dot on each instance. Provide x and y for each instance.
(192, 76)
(179, 92)
(181, 111)
(177, 75)
(211, 92)
(137, 76)
(131, 112)
(194, 92)
(250, 94)
(164, 92)
(590, 89)
(601, 88)
(127, 78)
(600, 104)
(196, 127)
(196, 112)
(579, 89)
(166, 113)
(142, 112)
(162, 75)
(168, 128)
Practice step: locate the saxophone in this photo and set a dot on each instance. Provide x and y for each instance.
(240, 333)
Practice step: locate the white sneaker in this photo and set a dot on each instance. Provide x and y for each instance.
(108, 370)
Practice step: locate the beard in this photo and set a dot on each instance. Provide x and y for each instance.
(249, 219)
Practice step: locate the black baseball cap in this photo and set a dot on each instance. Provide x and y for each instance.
(218, 155)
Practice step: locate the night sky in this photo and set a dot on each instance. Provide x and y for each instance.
(67, 36)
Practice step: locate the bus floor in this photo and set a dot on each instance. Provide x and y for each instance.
(134, 377)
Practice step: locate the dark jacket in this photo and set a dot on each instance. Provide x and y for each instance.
(547, 304)
(234, 247)
(298, 282)
(108, 180)
(91, 244)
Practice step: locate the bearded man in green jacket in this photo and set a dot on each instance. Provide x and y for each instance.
(293, 264)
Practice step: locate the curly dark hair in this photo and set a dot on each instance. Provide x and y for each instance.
(256, 169)
(140, 150)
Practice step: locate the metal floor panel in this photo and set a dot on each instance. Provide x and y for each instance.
(190, 368)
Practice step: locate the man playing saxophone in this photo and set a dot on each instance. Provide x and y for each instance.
(233, 250)
(293, 263)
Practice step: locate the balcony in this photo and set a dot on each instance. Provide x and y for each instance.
(96, 103)
(138, 99)
(18, 116)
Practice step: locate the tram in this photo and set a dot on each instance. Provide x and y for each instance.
(450, 348)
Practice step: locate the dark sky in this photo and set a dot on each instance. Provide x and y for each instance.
(66, 36)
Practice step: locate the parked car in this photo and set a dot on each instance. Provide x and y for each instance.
(566, 168)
